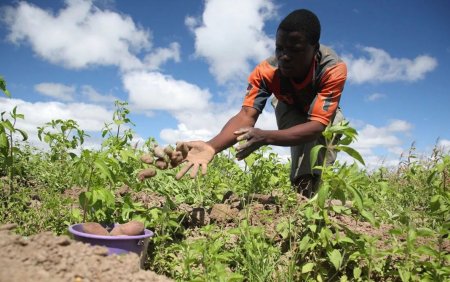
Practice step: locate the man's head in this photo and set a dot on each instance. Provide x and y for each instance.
(297, 42)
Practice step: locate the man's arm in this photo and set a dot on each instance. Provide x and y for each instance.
(246, 117)
(292, 136)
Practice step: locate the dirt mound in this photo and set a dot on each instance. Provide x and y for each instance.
(46, 257)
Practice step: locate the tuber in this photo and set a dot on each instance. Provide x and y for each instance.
(183, 148)
(94, 228)
(147, 158)
(146, 173)
(159, 152)
(176, 158)
(168, 150)
(161, 163)
(131, 228)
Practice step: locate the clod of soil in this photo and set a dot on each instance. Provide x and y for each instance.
(46, 257)
(223, 213)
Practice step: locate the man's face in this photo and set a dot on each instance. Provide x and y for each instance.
(294, 54)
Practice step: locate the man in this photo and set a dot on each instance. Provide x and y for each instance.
(307, 80)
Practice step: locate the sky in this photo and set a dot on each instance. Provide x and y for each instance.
(182, 66)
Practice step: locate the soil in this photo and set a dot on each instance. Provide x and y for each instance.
(46, 257)
(263, 210)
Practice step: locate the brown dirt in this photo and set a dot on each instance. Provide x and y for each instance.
(46, 257)
(263, 210)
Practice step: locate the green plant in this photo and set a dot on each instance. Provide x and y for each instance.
(7, 146)
(3, 86)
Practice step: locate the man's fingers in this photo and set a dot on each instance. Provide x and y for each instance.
(243, 146)
(241, 131)
(194, 170)
(245, 136)
(183, 170)
(204, 168)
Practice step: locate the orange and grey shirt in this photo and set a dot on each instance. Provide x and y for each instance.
(317, 96)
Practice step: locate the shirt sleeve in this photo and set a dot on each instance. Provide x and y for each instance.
(258, 90)
(327, 100)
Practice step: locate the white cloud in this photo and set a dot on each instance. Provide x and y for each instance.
(93, 96)
(444, 144)
(81, 35)
(89, 117)
(375, 97)
(56, 90)
(399, 126)
(370, 136)
(379, 66)
(161, 55)
(223, 29)
(380, 145)
(155, 91)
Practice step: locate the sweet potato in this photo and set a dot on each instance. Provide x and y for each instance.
(168, 150)
(159, 152)
(183, 148)
(116, 231)
(161, 163)
(94, 228)
(131, 228)
(147, 158)
(146, 173)
(176, 158)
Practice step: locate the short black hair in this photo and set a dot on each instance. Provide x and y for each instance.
(304, 21)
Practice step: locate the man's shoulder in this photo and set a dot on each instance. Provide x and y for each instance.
(326, 59)
(267, 67)
(328, 56)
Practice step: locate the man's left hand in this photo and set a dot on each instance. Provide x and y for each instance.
(254, 138)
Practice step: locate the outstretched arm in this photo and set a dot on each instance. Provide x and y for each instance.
(246, 117)
(201, 153)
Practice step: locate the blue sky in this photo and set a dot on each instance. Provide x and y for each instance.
(182, 65)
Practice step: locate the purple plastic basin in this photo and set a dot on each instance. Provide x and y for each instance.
(115, 244)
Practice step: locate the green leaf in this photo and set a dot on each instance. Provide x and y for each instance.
(304, 243)
(426, 250)
(100, 164)
(357, 197)
(7, 124)
(3, 86)
(4, 143)
(24, 134)
(335, 258)
(369, 216)
(425, 232)
(357, 272)
(323, 194)
(352, 152)
(314, 154)
(308, 267)
(83, 199)
(346, 240)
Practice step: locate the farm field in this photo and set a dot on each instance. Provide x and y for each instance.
(237, 223)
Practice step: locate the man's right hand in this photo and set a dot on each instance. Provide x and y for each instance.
(200, 154)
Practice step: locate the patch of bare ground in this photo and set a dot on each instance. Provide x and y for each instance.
(46, 257)
(265, 211)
